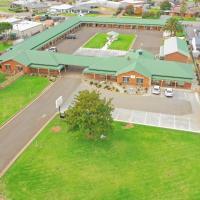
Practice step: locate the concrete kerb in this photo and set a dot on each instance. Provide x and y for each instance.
(26, 146)
(19, 112)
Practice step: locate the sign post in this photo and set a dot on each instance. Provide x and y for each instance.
(59, 102)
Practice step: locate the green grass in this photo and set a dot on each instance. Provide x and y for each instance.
(137, 163)
(15, 96)
(6, 9)
(4, 46)
(98, 41)
(2, 77)
(123, 42)
(69, 14)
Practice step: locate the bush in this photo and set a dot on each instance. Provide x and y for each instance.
(165, 5)
(151, 14)
(119, 10)
(129, 10)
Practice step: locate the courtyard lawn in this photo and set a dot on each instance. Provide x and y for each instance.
(98, 41)
(132, 163)
(2, 77)
(17, 95)
(4, 46)
(123, 42)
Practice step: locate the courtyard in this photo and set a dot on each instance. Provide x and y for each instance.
(134, 162)
(146, 39)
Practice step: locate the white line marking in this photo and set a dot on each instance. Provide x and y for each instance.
(174, 121)
(145, 119)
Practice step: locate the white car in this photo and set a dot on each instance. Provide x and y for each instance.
(52, 49)
(169, 92)
(156, 89)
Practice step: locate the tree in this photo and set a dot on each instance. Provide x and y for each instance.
(173, 26)
(196, 2)
(165, 5)
(183, 8)
(5, 26)
(90, 114)
(129, 10)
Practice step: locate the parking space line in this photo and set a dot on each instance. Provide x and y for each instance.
(189, 123)
(197, 97)
(145, 119)
(131, 116)
(159, 120)
(174, 121)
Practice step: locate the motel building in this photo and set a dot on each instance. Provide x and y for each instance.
(137, 68)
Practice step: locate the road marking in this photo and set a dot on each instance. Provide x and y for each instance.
(145, 119)
(197, 97)
(174, 121)
(131, 116)
(189, 123)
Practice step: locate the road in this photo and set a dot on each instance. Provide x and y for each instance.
(19, 131)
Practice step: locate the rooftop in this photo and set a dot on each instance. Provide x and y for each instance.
(24, 25)
(175, 44)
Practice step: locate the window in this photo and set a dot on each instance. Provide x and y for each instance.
(7, 67)
(19, 68)
(139, 81)
(126, 79)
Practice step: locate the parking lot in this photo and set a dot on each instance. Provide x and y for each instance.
(181, 112)
(146, 39)
(188, 121)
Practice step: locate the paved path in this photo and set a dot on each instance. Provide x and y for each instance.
(19, 131)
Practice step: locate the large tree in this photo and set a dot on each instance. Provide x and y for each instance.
(129, 10)
(173, 26)
(90, 114)
(165, 5)
(183, 8)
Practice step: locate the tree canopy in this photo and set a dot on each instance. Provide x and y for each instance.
(90, 114)
(183, 8)
(165, 5)
(173, 26)
(4, 26)
(129, 10)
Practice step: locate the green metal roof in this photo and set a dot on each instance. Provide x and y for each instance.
(142, 62)
(40, 39)
(182, 46)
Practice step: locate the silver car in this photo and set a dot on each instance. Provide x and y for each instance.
(169, 92)
(156, 89)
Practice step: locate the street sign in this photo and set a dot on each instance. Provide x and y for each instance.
(59, 102)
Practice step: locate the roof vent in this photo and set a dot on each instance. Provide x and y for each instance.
(140, 52)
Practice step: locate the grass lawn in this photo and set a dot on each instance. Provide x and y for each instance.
(98, 41)
(132, 163)
(124, 42)
(4, 46)
(15, 96)
(2, 78)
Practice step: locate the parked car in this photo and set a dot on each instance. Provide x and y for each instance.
(169, 92)
(156, 89)
(52, 49)
(71, 36)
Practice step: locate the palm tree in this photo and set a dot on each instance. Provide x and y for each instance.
(173, 26)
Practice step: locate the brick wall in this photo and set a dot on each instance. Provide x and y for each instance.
(132, 80)
(14, 67)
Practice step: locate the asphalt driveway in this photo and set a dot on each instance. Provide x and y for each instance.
(19, 131)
